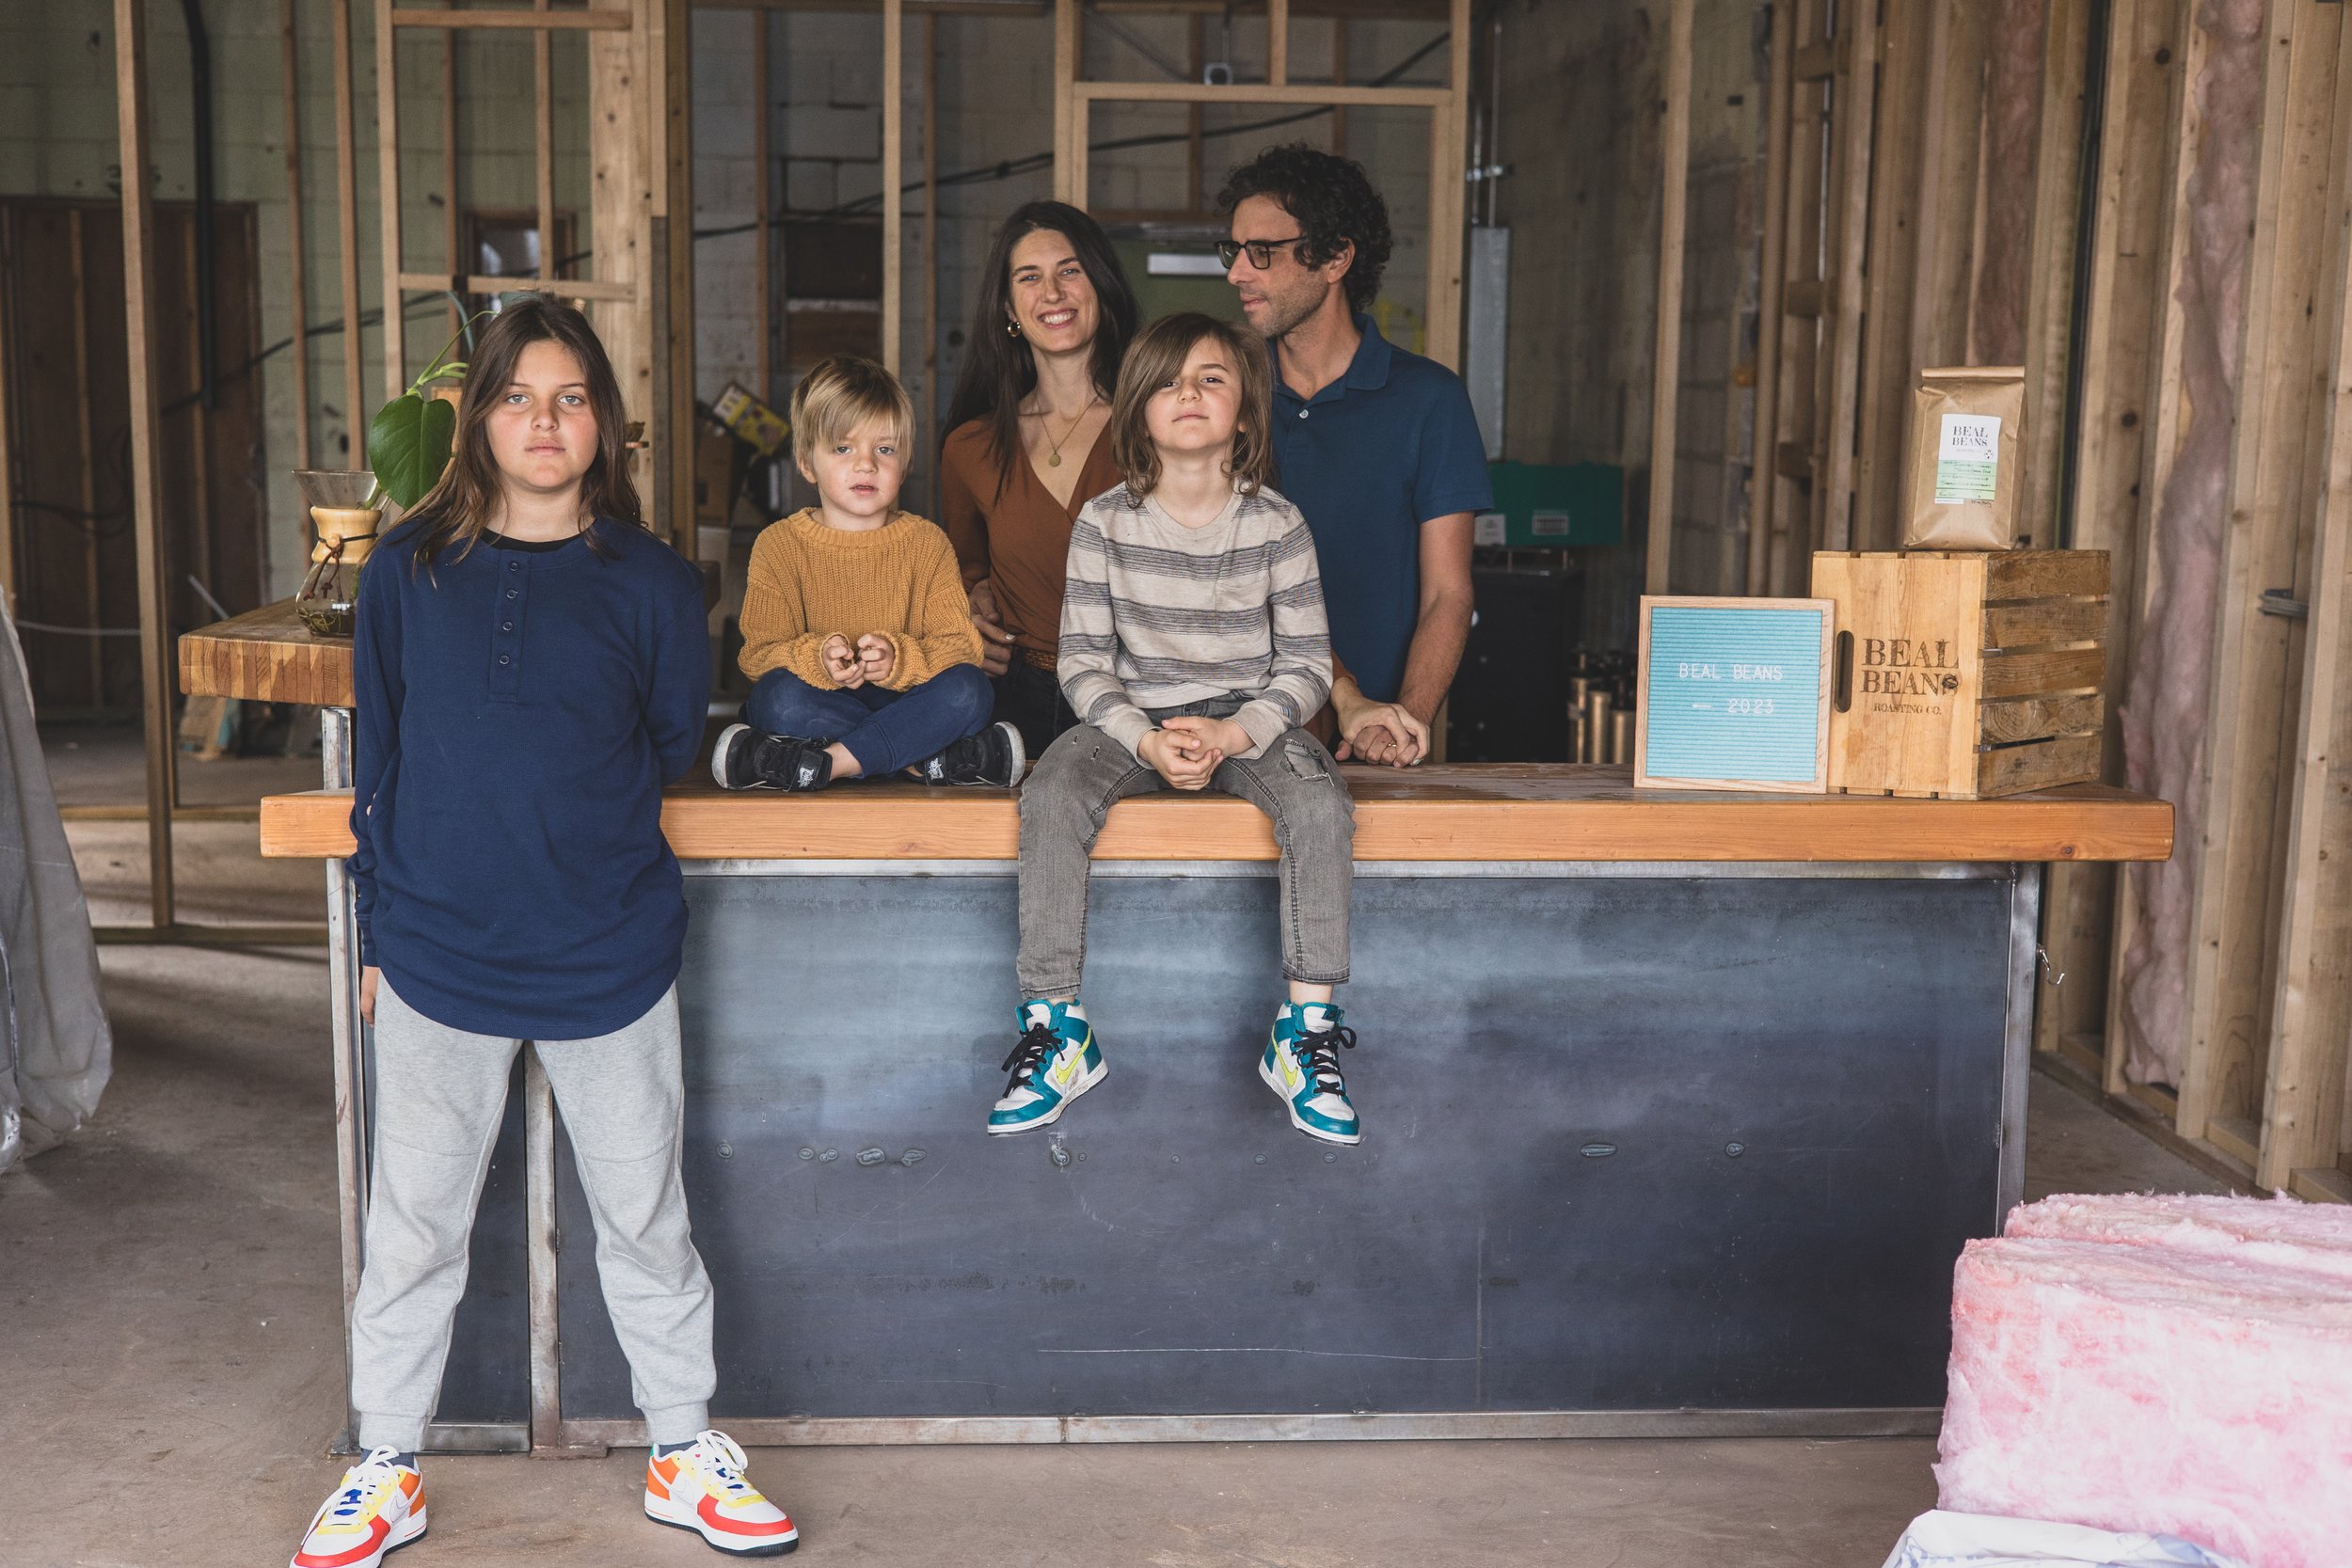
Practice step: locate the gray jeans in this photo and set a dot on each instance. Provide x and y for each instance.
(1295, 782)
(439, 1096)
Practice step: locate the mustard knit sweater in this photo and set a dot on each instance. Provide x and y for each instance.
(809, 582)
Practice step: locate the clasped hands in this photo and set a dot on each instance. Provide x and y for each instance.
(870, 658)
(1185, 751)
(1386, 734)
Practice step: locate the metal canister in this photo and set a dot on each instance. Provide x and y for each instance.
(1596, 741)
(1621, 735)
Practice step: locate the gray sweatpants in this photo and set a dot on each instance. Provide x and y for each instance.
(440, 1094)
(1294, 781)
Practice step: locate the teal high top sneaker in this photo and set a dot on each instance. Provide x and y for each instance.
(1055, 1061)
(1301, 1064)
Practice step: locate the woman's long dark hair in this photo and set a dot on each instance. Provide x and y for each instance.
(458, 509)
(998, 370)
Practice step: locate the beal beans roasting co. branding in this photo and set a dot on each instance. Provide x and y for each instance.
(1905, 674)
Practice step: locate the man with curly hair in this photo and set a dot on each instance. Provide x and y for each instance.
(1376, 446)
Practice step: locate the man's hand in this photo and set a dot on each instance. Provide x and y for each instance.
(876, 657)
(1385, 733)
(1381, 733)
(1179, 757)
(368, 977)
(1221, 735)
(841, 662)
(996, 641)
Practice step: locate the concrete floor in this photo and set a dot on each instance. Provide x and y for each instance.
(171, 1358)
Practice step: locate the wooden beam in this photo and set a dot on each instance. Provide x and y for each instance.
(1449, 134)
(672, 431)
(2250, 727)
(1070, 110)
(452, 251)
(2123, 330)
(347, 241)
(542, 144)
(141, 328)
(1501, 811)
(1339, 78)
(297, 297)
(1666, 367)
(894, 154)
(2050, 268)
(621, 179)
(1261, 92)
(1771, 312)
(7, 433)
(84, 442)
(388, 199)
(2303, 1098)
(931, 243)
(764, 253)
(485, 283)
(1838, 366)
(1908, 62)
(614, 19)
(1278, 41)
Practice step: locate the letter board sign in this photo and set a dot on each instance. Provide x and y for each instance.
(1734, 694)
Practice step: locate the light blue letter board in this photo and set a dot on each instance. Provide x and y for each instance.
(1732, 692)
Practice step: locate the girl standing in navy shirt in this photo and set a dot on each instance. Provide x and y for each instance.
(530, 666)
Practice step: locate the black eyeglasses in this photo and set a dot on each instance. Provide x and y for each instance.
(1261, 251)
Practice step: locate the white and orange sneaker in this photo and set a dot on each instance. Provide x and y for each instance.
(378, 1507)
(701, 1488)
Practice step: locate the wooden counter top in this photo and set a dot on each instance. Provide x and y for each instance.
(1494, 812)
(266, 655)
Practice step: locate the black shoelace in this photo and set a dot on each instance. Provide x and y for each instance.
(1315, 1053)
(1035, 1049)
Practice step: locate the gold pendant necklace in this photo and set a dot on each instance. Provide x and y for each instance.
(1053, 459)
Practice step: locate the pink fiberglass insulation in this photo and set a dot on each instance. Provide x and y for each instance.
(2165, 696)
(2278, 1232)
(2152, 1388)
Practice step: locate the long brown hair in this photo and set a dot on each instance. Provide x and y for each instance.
(1157, 357)
(458, 509)
(998, 370)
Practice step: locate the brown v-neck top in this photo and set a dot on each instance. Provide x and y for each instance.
(1021, 538)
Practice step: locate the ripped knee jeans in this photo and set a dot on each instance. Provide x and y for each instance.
(1294, 781)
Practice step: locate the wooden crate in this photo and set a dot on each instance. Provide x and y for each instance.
(1963, 674)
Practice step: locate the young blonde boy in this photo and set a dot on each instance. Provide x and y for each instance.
(856, 624)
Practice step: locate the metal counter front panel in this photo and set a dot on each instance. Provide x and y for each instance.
(1631, 1143)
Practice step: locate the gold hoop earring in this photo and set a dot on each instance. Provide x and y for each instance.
(1012, 329)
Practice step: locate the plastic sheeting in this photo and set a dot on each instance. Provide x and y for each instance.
(1942, 1540)
(2163, 708)
(56, 1049)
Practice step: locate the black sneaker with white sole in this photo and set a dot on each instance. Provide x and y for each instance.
(746, 759)
(994, 757)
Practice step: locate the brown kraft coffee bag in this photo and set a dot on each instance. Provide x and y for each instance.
(1961, 459)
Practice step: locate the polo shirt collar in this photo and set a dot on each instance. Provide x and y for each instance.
(1367, 372)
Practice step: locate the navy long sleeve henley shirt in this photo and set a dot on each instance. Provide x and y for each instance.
(518, 713)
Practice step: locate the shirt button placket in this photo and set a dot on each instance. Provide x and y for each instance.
(505, 642)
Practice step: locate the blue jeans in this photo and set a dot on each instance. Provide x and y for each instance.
(884, 729)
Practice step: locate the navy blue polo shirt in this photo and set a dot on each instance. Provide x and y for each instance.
(1369, 459)
(518, 713)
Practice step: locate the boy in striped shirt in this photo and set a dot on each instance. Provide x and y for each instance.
(1193, 648)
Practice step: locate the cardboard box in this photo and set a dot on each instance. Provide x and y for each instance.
(1965, 676)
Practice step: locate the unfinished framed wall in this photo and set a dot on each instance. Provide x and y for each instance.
(1447, 107)
(634, 287)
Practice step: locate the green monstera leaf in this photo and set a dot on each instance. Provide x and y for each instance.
(409, 445)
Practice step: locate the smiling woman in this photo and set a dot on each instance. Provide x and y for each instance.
(1024, 447)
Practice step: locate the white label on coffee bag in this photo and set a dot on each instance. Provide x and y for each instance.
(1967, 458)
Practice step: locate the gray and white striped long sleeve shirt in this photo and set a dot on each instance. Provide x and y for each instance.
(1156, 614)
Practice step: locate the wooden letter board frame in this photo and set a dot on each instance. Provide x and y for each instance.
(1819, 784)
